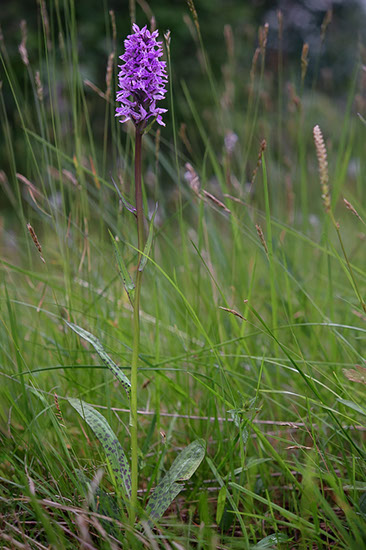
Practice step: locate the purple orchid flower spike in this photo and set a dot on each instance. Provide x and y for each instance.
(142, 83)
(142, 79)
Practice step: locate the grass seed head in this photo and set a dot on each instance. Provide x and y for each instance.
(113, 23)
(263, 36)
(280, 24)
(23, 45)
(262, 148)
(229, 41)
(192, 178)
(36, 241)
(326, 21)
(108, 76)
(352, 209)
(321, 153)
(261, 237)
(39, 86)
(304, 60)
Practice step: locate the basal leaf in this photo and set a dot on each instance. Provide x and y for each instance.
(109, 441)
(147, 247)
(103, 355)
(188, 461)
(182, 469)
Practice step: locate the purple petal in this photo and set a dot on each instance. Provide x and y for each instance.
(142, 78)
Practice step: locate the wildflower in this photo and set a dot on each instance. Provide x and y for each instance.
(230, 141)
(142, 79)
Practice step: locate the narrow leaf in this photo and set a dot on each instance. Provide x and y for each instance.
(109, 441)
(351, 405)
(126, 204)
(362, 504)
(235, 415)
(123, 271)
(147, 247)
(221, 501)
(271, 541)
(182, 469)
(148, 128)
(103, 355)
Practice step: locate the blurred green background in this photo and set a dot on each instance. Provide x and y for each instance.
(334, 31)
(60, 146)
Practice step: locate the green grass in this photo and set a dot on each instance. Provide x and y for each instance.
(283, 424)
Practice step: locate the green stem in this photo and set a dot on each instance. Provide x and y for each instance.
(358, 294)
(136, 330)
(138, 196)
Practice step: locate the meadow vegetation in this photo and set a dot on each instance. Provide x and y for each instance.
(252, 299)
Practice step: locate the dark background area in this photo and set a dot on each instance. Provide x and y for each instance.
(302, 22)
(333, 54)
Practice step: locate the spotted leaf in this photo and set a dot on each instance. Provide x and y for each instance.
(103, 355)
(182, 469)
(109, 441)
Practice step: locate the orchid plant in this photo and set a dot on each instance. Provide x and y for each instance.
(142, 80)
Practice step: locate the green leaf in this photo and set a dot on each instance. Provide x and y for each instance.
(271, 541)
(149, 126)
(182, 469)
(231, 511)
(109, 441)
(352, 405)
(147, 247)
(362, 504)
(240, 424)
(221, 501)
(356, 486)
(103, 355)
(126, 204)
(123, 271)
(228, 518)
